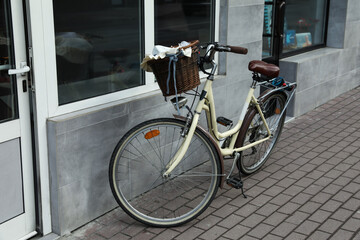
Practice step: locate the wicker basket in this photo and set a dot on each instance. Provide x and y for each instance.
(187, 74)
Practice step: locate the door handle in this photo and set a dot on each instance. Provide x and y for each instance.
(22, 70)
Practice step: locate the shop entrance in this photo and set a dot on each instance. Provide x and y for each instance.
(17, 204)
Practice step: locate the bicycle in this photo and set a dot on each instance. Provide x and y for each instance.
(165, 172)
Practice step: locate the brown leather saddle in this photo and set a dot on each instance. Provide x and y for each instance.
(266, 69)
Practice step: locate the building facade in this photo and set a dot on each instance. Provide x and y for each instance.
(71, 86)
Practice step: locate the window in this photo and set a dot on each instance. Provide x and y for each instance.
(8, 99)
(180, 20)
(100, 44)
(98, 47)
(293, 26)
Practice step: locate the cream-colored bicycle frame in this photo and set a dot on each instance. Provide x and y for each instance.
(207, 104)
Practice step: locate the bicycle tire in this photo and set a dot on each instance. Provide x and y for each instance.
(136, 169)
(253, 129)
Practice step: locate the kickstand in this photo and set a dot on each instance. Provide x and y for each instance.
(242, 186)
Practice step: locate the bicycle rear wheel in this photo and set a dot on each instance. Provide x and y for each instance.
(136, 174)
(254, 129)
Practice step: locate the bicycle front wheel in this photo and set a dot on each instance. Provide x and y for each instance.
(136, 174)
(254, 129)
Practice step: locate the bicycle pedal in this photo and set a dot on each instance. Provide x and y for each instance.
(234, 182)
(224, 121)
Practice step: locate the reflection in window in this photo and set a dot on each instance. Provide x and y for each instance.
(8, 106)
(267, 31)
(98, 47)
(178, 20)
(304, 24)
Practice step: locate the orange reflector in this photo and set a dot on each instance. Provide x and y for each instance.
(151, 134)
(277, 111)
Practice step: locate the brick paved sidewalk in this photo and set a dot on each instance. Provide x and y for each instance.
(308, 189)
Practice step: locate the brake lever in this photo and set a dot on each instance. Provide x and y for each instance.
(201, 66)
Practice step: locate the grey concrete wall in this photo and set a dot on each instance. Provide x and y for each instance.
(81, 143)
(328, 72)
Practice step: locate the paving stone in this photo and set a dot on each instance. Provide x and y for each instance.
(285, 183)
(313, 189)
(120, 236)
(351, 173)
(332, 189)
(331, 206)
(144, 236)
(248, 238)
(275, 219)
(284, 229)
(260, 230)
(95, 237)
(267, 209)
(342, 235)
(342, 214)
(321, 197)
(252, 220)
(289, 208)
(281, 199)
(220, 201)
(318, 235)
(352, 187)
(230, 221)
(225, 211)
(274, 191)
(297, 218)
(167, 234)
(295, 236)
(246, 210)
(293, 190)
(320, 216)
(236, 232)
(272, 237)
(310, 207)
(342, 196)
(208, 222)
(112, 229)
(213, 233)
(352, 204)
(307, 227)
(324, 181)
(190, 234)
(316, 174)
(352, 225)
(87, 230)
(330, 226)
(301, 198)
(261, 200)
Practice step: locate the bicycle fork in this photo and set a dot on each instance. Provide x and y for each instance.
(185, 145)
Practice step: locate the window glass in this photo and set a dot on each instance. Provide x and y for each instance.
(98, 47)
(8, 97)
(304, 24)
(178, 20)
(267, 31)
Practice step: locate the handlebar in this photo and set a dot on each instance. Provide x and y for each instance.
(211, 48)
(239, 50)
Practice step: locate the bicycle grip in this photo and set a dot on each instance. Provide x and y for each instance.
(239, 50)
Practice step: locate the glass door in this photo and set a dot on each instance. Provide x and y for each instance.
(294, 29)
(273, 32)
(17, 208)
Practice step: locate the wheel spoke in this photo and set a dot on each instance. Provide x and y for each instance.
(145, 193)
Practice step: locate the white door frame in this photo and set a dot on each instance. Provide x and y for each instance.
(22, 226)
